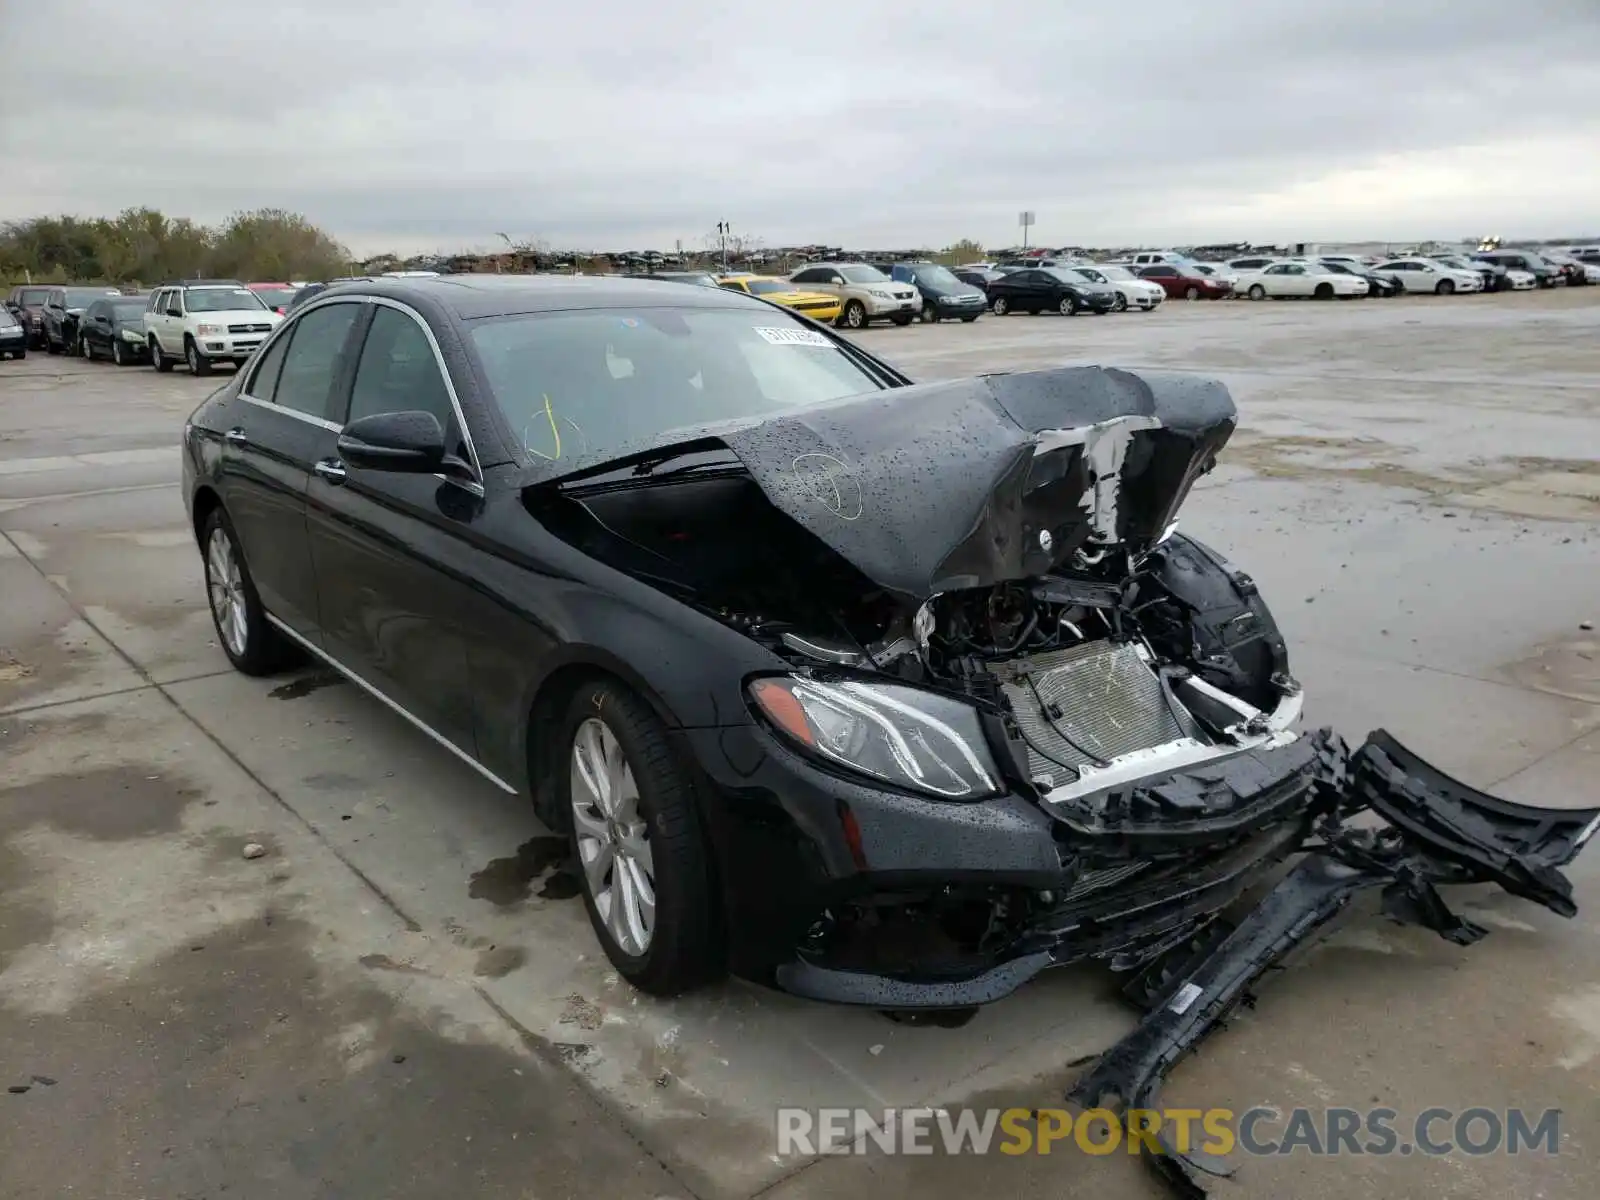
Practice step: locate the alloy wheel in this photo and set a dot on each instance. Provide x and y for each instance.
(118, 354)
(613, 837)
(225, 587)
(83, 346)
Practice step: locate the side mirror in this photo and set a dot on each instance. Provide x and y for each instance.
(838, 279)
(411, 442)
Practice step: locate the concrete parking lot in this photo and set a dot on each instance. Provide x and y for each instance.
(399, 999)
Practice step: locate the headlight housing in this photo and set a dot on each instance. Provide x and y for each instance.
(880, 293)
(903, 736)
(209, 330)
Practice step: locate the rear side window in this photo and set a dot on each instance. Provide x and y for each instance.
(305, 381)
(398, 371)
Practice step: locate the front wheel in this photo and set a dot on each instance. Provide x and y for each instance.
(158, 358)
(84, 349)
(1120, 304)
(929, 314)
(118, 354)
(1324, 291)
(199, 364)
(1257, 292)
(1445, 288)
(999, 306)
(1191, 293)
(1068, 306)
(252, 645)
(854, 315)
(636, 841)
(901, 319)
(50, 347)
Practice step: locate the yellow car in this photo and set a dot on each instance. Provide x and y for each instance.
(819, 306)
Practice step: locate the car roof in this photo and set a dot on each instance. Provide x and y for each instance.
(470, 297)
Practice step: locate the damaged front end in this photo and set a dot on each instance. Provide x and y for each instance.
(987, 633)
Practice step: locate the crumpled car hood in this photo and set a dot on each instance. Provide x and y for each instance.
(978, 481)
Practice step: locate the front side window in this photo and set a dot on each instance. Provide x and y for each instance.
(398, 372)
(577, 388)
(305, 381)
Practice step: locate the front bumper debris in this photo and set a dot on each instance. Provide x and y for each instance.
(1436, 831)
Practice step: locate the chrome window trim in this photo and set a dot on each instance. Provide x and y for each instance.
(473, 485)
(379, 696)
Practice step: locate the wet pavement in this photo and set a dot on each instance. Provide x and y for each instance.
(401, 997)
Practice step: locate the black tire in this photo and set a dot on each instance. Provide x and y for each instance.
(263, 650)
(1120, 304)
(1067, 306)
(158, 359)
(902, 319)
(118, 354)
(1257, 292)
(968, 320)
(85, 350)
(999, 306)
(199, 364)
(684, 949)
(929, 314)
(1324, 291)
(854, 315)
(1191, 293)
(50, 347)
(1446, 287)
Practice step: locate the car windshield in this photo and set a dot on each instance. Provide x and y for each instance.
(1062, 273)
(33, 296)
(768, 287)
(1115, 272)
(6, 319)
(83, 297)
(274, 295)
(580, 387)
(938, 278)
(863, 275)
(1089, 273)
(220, 299)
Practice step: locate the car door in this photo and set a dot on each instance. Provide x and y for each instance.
(1166, 277)
(388, 547)
(55, 313)
(281, 427)
(1284, 279)
(169, 326)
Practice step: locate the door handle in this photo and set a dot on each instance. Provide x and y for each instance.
(237, 436)
(330, 469)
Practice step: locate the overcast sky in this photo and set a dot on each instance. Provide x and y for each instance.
(414, 126)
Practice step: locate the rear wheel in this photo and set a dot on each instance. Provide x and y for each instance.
(999, 306)
(1445, 288)
(252, 645)
(968, 320)
(901, 319)
(929, 314)
(158, 360)
(1257, 292)
(636, 841)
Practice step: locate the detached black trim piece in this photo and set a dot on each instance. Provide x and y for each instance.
(880, 991)
(1440, 832)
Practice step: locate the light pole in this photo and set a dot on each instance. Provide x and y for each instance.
(723, 230)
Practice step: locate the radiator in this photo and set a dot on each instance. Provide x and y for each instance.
(1110, 704)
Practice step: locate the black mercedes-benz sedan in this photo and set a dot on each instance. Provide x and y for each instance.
(883, 693)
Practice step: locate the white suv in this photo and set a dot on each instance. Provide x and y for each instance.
(866, 293)
(203, 322)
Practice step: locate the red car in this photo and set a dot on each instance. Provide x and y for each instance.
(275, 296)
(1180, 279)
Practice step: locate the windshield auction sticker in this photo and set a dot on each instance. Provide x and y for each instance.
(795, 337)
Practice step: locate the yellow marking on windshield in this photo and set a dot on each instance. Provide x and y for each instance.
(555, 431)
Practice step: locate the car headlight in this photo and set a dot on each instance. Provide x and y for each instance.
(209, 330)
(132, 335)
(902, 735)
(880, 293)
